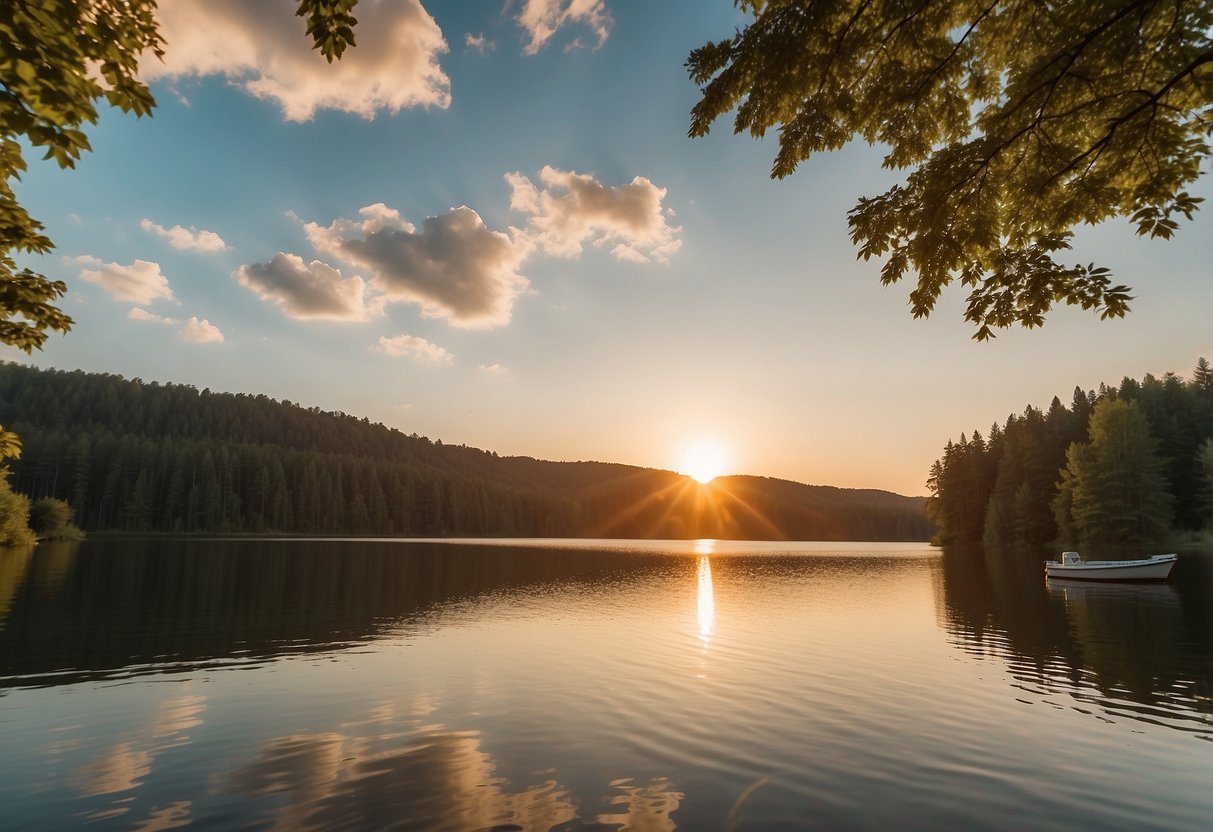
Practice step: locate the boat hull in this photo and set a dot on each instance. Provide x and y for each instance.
(1150, 569)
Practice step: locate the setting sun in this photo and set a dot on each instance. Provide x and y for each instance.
(704, 460)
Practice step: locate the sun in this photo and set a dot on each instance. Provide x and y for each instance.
(704, 460)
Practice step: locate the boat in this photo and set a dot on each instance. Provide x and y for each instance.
(1073, 568)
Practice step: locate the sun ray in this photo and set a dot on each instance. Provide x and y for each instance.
(670, 495)
(768, 526)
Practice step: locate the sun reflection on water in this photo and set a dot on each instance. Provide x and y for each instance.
(707, 603)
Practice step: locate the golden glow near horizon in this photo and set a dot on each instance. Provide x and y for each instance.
(703, 460)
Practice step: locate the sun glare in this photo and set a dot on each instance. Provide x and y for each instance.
(704, 460)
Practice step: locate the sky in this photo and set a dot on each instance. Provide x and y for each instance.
(486, 225)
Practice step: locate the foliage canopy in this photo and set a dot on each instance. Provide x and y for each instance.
(51, 519)
(14, 516)
(1019, 120)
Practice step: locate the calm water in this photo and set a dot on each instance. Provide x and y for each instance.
(438, 686)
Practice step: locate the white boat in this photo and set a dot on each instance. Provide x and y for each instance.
(1074, 568)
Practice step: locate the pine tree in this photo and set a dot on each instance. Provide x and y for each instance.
(1204, 462)
(78, 459)
(136, 511)
(1113, 486)
(1202, 376)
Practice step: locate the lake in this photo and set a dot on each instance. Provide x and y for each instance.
(595, 685)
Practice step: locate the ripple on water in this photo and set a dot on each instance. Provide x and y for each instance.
(779, 687)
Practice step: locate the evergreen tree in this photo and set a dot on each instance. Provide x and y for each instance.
(1202, 376)
(1114, 486)
(1204, 460)
(1080, 408)
(144, 456)
(136, 513)
(961, 484)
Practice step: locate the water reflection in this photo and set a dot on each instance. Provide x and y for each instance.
(172, 816)
(429, 778)
(356, 685)
(109, 609)
(121, 768)
(111, 779)
(1137, 651)
(14, 563)
(706, 604)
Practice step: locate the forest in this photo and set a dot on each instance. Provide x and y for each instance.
(135, 456)
(1123, 465)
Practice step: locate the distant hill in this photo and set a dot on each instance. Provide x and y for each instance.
(141, 456)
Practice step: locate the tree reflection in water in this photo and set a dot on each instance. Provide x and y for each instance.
(1138, 651)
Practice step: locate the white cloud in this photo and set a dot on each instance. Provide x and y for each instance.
(138, 314)
(263, 48)
(139, 283)
(310, 291)
(478, 43)
(453, 266)
(573, 209)
(197, 331)
(186, 239)
(541, 18)
(493, 370)
(418, 349)
(201, 332)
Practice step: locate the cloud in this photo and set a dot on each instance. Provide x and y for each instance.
(262, 47)
(139, 283)
(418, 349)
(193, 330)
(493, 370)
(540, 19)
(309, 291)
(478, 43)
(575, 208)
(138, 314)
(186, 239)
(454, 266)
(201, 332)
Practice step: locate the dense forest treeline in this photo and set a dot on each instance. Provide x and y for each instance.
(134, 456)
(1129, 464)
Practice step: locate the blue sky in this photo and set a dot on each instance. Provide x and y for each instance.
(487, 225)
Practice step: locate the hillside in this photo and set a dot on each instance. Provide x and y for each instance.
(141, 456)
